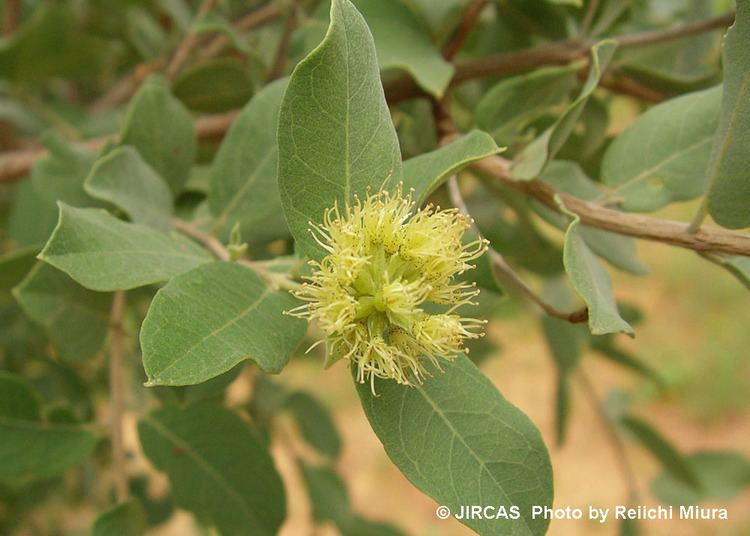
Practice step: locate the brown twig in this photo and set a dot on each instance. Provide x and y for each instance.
(11, 17)
(507, 274)
(208, 240)
(16, 164)
(710, 239)
(252, 20)
(187, 44)
(559, 53)
(282, 50)
(117, 395)
(468, 19)
(618, 447)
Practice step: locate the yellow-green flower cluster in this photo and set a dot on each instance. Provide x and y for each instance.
(386, 261)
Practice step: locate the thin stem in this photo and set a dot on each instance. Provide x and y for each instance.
(188, 42)
(209, 241)
(588, 18)
(468, 19)
(277, 280)
(618, 447)
(700, 215)
(252, 20)
(685, 30)
(12, 16)
(117, 395)
(675, 233)
(282, 50)
(507, 273)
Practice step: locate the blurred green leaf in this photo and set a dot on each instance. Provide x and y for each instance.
(75, 319)
(244, 176)
(214, 86)
(426, 172)
(736, 265)
(32, 216)
(218, 470)
(104, 253)
(30, 446)
(315, 423)
(721, 475)
(207, 320)
(534, 157)
(330, 502)
(514, 102)
(14, 266)
(729, 189)
(662, 157)
(662, 449)
(161, 129)
(125, 180)
(124, 519)
(403, 42)
(59, 176)
(457, 439)
(336, 138)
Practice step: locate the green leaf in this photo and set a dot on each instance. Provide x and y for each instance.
(568, 177)
(736, 265)
(330, 502)
(427, 171)
(161, 128)
(662, 449)
(663, 156)
(207, 320)
(722, 476)
(534, 157)
(125, 519)
(59, 176)
(458, 440)
(315, 423)
(75, 319)
(104, 253)
(592, 283)
(336, 138)
(403, 42)
(32, 216)
(729, 189)
(216, 467)
(513, 103)
(14, 266)
(244, 176)
(125, 180)
(213, 86)
(30, 446)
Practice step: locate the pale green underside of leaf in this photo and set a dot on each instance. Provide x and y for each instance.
(458, 440)
(124, 519)
(592, 283)
(29, 446)
(736, 265)
(104, 253)
(75, 319)
(426, 172)
(663, 156)
(403, 42)
(207, 320)
(729, 187)
(618, 250)
(534, 157)
(161, 128)
(244, 175)
(217, 468)
(336, 139)
(124, 179)
(514, 102)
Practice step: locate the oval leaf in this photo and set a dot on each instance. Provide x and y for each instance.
(458, 440)
(207, 320)
(336, 138)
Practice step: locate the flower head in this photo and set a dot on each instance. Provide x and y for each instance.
(387, 265)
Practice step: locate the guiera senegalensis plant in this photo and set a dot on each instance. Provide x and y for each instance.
(263, 191)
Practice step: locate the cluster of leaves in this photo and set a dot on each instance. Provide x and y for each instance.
(163, 213)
